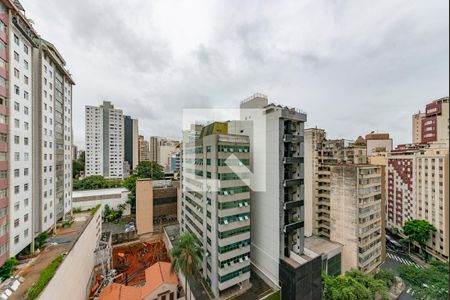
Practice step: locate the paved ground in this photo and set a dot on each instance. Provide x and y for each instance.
(395, 260)
(31, 272)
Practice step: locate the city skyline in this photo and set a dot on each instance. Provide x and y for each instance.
(180, 50)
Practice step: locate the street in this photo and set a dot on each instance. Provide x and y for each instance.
(395, 260)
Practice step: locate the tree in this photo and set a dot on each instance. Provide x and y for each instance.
(77, 168)
(387, 277)
(145, 169)
(8, 268)
(112, 215)
(428, 283)
(354, 285)
(96, 182)
(149, 169)
(186, 256)
(419, 231)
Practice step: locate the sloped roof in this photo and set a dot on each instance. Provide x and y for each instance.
(155, 276)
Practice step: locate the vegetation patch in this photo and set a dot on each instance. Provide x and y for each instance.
(45, 277)
(428, 283)
(8, 268)
(354, 285)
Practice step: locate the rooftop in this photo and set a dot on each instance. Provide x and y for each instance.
(322, 246)
(155, 276)
(100, 192)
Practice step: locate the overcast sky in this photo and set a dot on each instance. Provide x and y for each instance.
(353, 66)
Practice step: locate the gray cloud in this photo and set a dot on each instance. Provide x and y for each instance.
(354, 66)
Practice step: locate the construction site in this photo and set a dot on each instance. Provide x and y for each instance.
(128, 263)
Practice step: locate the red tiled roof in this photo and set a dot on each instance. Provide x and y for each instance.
(155, 276)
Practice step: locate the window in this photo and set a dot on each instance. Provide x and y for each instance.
(17, 206)
(25, 172)
(16, 139)
(16, 40)
(25, 49)
(25, 218)
(16, 239)
(25, 110)
(16, 123)
(25, 79)
(16, 73)
(17, 90)
(25, 187)
(25, 125)
(16, 106)
(25, 141)
(25, 64)
(16, 156)
(16, 172)
(26, 96)
(16, 56)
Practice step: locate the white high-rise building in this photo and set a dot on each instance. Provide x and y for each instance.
(104, 141)
(21, 135)
(52, 115)
(35, 133)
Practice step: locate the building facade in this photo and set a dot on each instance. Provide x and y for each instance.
(377, 142)
(277, 209)
(433, 124)
(417, 188)
(356, 215)
(144, 149)
(104, 141)
(131, 142)
(35, 133)
(219, 215)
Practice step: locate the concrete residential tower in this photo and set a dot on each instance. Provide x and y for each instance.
(104, 141)
(277, 208)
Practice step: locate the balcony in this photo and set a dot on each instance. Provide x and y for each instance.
(293, 138)
(292, 182)
(293, 226)
(293, 159)
(293, 204)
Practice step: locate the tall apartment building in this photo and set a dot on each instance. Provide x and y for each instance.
(433, 125)
(34, 110)
(104, 141)
(417, 127)
(144, 149)
(324, 214)
(166, 148)
(277, 211)
(401, 182)
(356, 215)
(320, 155)
(418, 189)
(432, 184)
(154, 148)
(131, 142)
(52, 154)
(216, 205)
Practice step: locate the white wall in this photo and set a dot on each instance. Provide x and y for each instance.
(71, 281)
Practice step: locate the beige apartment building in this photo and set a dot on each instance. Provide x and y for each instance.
(322, 181)
(356, 215)
(432, 188)
(144, 149)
